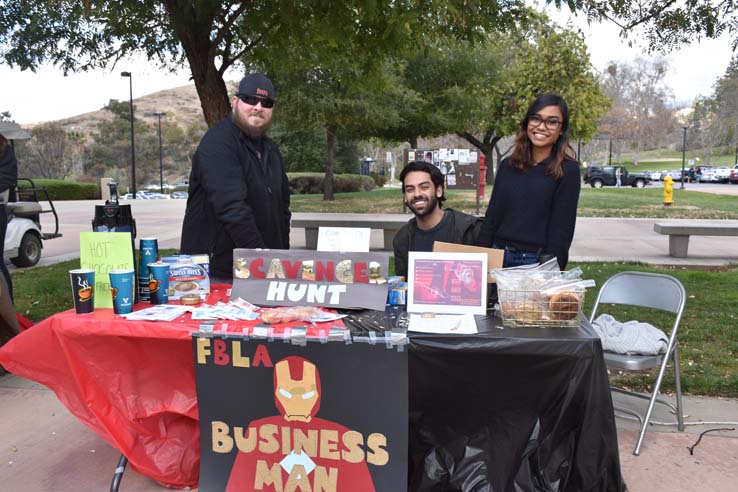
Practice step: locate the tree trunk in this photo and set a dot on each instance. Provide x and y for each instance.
(413, 141)
(194, 34)
(328, 180)
(486, 146)
(213, 95)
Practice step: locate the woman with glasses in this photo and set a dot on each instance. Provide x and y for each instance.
(533, 208)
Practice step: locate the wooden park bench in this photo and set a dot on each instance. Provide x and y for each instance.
(389, 223)
(679, 234)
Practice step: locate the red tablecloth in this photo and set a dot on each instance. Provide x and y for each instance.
(132, 382)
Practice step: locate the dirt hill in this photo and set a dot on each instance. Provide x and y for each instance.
(180, 103)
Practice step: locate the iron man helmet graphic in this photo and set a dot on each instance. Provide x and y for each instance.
(296, 389)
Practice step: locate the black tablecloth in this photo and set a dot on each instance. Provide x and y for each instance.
(510, 409)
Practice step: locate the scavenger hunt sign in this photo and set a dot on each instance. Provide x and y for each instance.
(310, 278)
(276, 417)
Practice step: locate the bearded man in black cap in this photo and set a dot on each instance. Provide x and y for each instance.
(239, 196)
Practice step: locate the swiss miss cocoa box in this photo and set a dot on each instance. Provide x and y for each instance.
(188, 274)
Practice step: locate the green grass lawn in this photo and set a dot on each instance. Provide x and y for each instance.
(660, 159)
(708, 343)
(604, 202)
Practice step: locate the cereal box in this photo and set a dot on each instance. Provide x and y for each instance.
(188, 274)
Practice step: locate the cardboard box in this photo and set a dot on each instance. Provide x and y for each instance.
(495, 257)
(188, 274)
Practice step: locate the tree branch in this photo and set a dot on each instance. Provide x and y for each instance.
(472, 140)
(228, 23)
(228, 60)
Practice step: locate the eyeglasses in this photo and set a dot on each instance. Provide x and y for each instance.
(254, 100)
(551, 123)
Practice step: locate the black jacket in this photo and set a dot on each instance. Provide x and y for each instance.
(8, 169)
(236, 200)
(466, 229)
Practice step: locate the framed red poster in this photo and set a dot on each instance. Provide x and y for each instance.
(448, 283)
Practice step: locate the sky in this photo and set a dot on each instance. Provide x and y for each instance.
(48, 95)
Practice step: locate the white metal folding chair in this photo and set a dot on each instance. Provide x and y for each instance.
(655, 291)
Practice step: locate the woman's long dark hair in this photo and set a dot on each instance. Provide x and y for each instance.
(522, 156)
(3, 143)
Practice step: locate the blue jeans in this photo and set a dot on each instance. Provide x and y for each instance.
(517, 257)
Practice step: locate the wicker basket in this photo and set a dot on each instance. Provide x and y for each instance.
(532, 308)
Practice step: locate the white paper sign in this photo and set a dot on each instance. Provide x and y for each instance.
(344, 239)
(460, 324)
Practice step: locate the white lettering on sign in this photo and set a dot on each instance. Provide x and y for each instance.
(310, 293)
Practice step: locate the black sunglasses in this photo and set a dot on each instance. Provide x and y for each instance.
(254, 100)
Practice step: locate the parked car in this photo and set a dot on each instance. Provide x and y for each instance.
(654, 175)
(734, 175)
(723, 174)
(706, 174)
(599, 176)
(127, 196)
(676, 175)
(180, 195)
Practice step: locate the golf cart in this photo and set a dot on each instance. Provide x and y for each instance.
(23, 236)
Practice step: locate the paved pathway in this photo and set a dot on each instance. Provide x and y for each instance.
(595, 239)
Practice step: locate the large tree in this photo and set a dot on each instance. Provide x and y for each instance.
(666, 24)
(440, 88)
(110, 152)
(714, 119)
(51, 152)
(544, 58)
(212, 35)
(642, 114)
(481, 90)
(332, 98)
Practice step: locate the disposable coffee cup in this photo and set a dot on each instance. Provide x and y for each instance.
(148, 253)
(158, 282)
(83, 290)
(122, 288)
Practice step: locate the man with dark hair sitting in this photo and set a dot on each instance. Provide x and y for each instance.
(423, 192)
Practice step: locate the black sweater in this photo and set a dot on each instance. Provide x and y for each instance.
(532, 211)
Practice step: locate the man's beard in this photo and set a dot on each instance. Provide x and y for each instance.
(250, 130)
(430, 207)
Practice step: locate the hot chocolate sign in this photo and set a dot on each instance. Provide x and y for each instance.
(310, 278)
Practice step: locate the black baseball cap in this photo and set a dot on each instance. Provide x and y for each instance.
(257, 84)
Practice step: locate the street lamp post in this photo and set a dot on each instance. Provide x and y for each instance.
(159, 114)
(684, 150)
(736, 144)
(133, 147)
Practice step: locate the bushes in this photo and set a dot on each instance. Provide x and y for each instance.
(64, 190)
(312, 183)
(379, 179)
